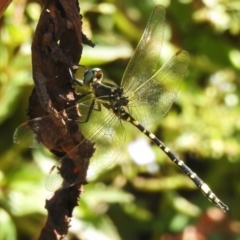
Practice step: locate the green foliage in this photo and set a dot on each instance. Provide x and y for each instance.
(203, 126)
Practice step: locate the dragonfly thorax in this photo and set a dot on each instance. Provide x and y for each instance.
(107, 94)
(110, 96)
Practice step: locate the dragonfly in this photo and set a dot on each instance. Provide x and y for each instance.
(146, 93)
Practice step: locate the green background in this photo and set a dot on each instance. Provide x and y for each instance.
(203, 126)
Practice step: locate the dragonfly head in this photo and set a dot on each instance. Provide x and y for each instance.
(94, 75)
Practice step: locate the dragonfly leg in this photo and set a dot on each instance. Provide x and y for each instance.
(75, 80)
(91, 108)
(74, 101)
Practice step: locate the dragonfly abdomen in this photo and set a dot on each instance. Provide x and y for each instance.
(192, 175)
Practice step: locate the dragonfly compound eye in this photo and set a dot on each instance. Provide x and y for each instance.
(98, 74)
(88, 77)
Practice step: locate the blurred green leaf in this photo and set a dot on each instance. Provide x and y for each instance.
(7, 226)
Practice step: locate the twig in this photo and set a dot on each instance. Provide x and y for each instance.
(56, 47)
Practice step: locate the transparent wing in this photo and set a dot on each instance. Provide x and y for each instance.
(27, 134)
(152, 100)
(101, 130)
(145, 59)
(35, 132)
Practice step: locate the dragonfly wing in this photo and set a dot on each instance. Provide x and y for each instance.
(27, 134)
(157, 94)
(99, 131)
(40, 131)
(109, 141)
(145, 60)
